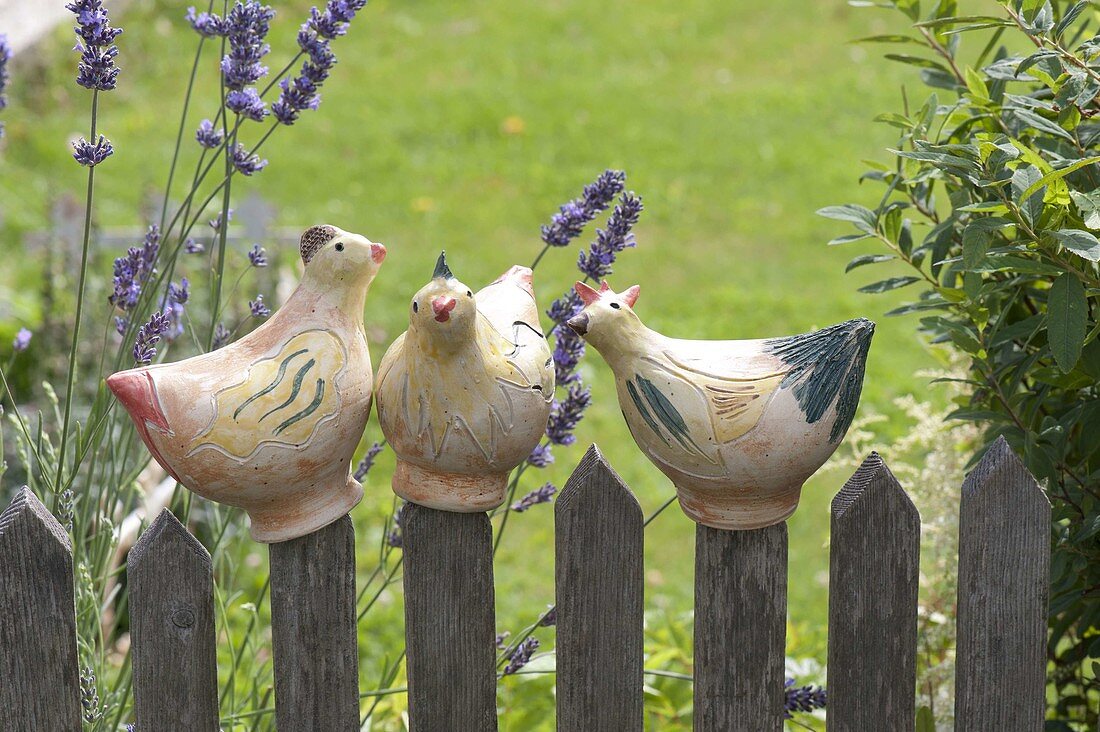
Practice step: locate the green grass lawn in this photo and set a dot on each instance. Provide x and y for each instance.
(464, 126)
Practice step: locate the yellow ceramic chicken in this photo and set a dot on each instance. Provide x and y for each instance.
(464, 393)
(269, 423)
(738, 426)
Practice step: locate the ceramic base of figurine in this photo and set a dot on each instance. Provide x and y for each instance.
(457, 492)
(309, 512)
(732, 512)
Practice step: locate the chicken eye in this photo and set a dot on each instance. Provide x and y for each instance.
(416, 308)
(339, 246)
(469, 293)
(615, 305)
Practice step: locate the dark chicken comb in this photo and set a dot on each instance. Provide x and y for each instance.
(314, 238)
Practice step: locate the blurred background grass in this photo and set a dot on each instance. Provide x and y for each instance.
(464, 126)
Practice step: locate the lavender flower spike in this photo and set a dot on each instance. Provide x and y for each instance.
(802, 698)
(257, 256)
(5, 56)
(207, 25)
(245, 162)
(596, 263)
(89, 154)
(521, 656)
(148, 336)
(367, 462)
(95, 41)
(207, 136)
(567, 224)
(246, 27)
(257, 307)
(543, 494)
(22, 340)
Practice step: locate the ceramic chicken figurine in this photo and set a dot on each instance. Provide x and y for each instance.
(738, 426)
(269, 423)
(464, 393)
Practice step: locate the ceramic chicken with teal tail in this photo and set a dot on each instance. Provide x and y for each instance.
(738, 426)
(464, 394)
(269, 423)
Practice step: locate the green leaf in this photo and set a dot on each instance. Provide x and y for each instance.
(1033, 59)
(976, 85)
(925, 721)
(1067, 310)
(886, 285)
(847, 238)
(1081, 243)
(918, 61)
(895, 120)
(1069, 16)
(867, 259)
(939, 22)
(887, 39)
(1089, 206)
(1058, 174)
(976, 238)
(1042, 124)
(1031, 206)
(863, 218)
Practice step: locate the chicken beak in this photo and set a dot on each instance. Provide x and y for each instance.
(578, 324)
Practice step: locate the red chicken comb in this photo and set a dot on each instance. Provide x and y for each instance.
(586, 293)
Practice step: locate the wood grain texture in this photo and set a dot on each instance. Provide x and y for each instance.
(313, 630)
(873, 573)
(171, 583)
(39, 682)
(449, 620)
(740, 628)
(1004, 576)
(599, 587)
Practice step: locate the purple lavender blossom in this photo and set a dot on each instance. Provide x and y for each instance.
(180, 293)
(216, 222)
(221, 336)
(567, 224)
(257, 256)
(89, 154)
(95, 42)
(566, 413)
(173, 306)
(542, 494)
(541, 456)
(207, 136)
(802, 698)
(207, 25)
(5, 56)
(148, 336)
(596, 262)
(521, 655)
(394, 538)
(122, 323)
(245, 162)
(257, 307)
(568, 350)
(301, 93)
(132, 271)
(367, 462)
(193, 247)
(22, 340)
(500, 641)
(246, 102)
(246, 26)
(550, 617)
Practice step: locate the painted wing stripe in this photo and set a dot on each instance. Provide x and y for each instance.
(666, 412)
(637, 399)
(297, 387)
(318, 396)
(270, 387)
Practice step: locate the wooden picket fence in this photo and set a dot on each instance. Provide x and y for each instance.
(740, 615)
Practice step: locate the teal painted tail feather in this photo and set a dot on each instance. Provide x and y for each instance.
(827, 366)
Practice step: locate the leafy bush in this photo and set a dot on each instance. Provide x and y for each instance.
(990, 205)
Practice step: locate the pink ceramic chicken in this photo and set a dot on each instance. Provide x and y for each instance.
(738, 426)
(269, 423)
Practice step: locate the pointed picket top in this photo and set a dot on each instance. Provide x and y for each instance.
(166, 528)
(1001, 472)
(593, 470)
(26, 507)
(872, 478)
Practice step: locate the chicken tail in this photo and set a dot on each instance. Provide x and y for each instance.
(827, 368)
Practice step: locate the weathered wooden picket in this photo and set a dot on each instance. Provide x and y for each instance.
(740, 616)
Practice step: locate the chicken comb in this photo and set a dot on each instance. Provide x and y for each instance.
(313, 239)
(441, 268)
